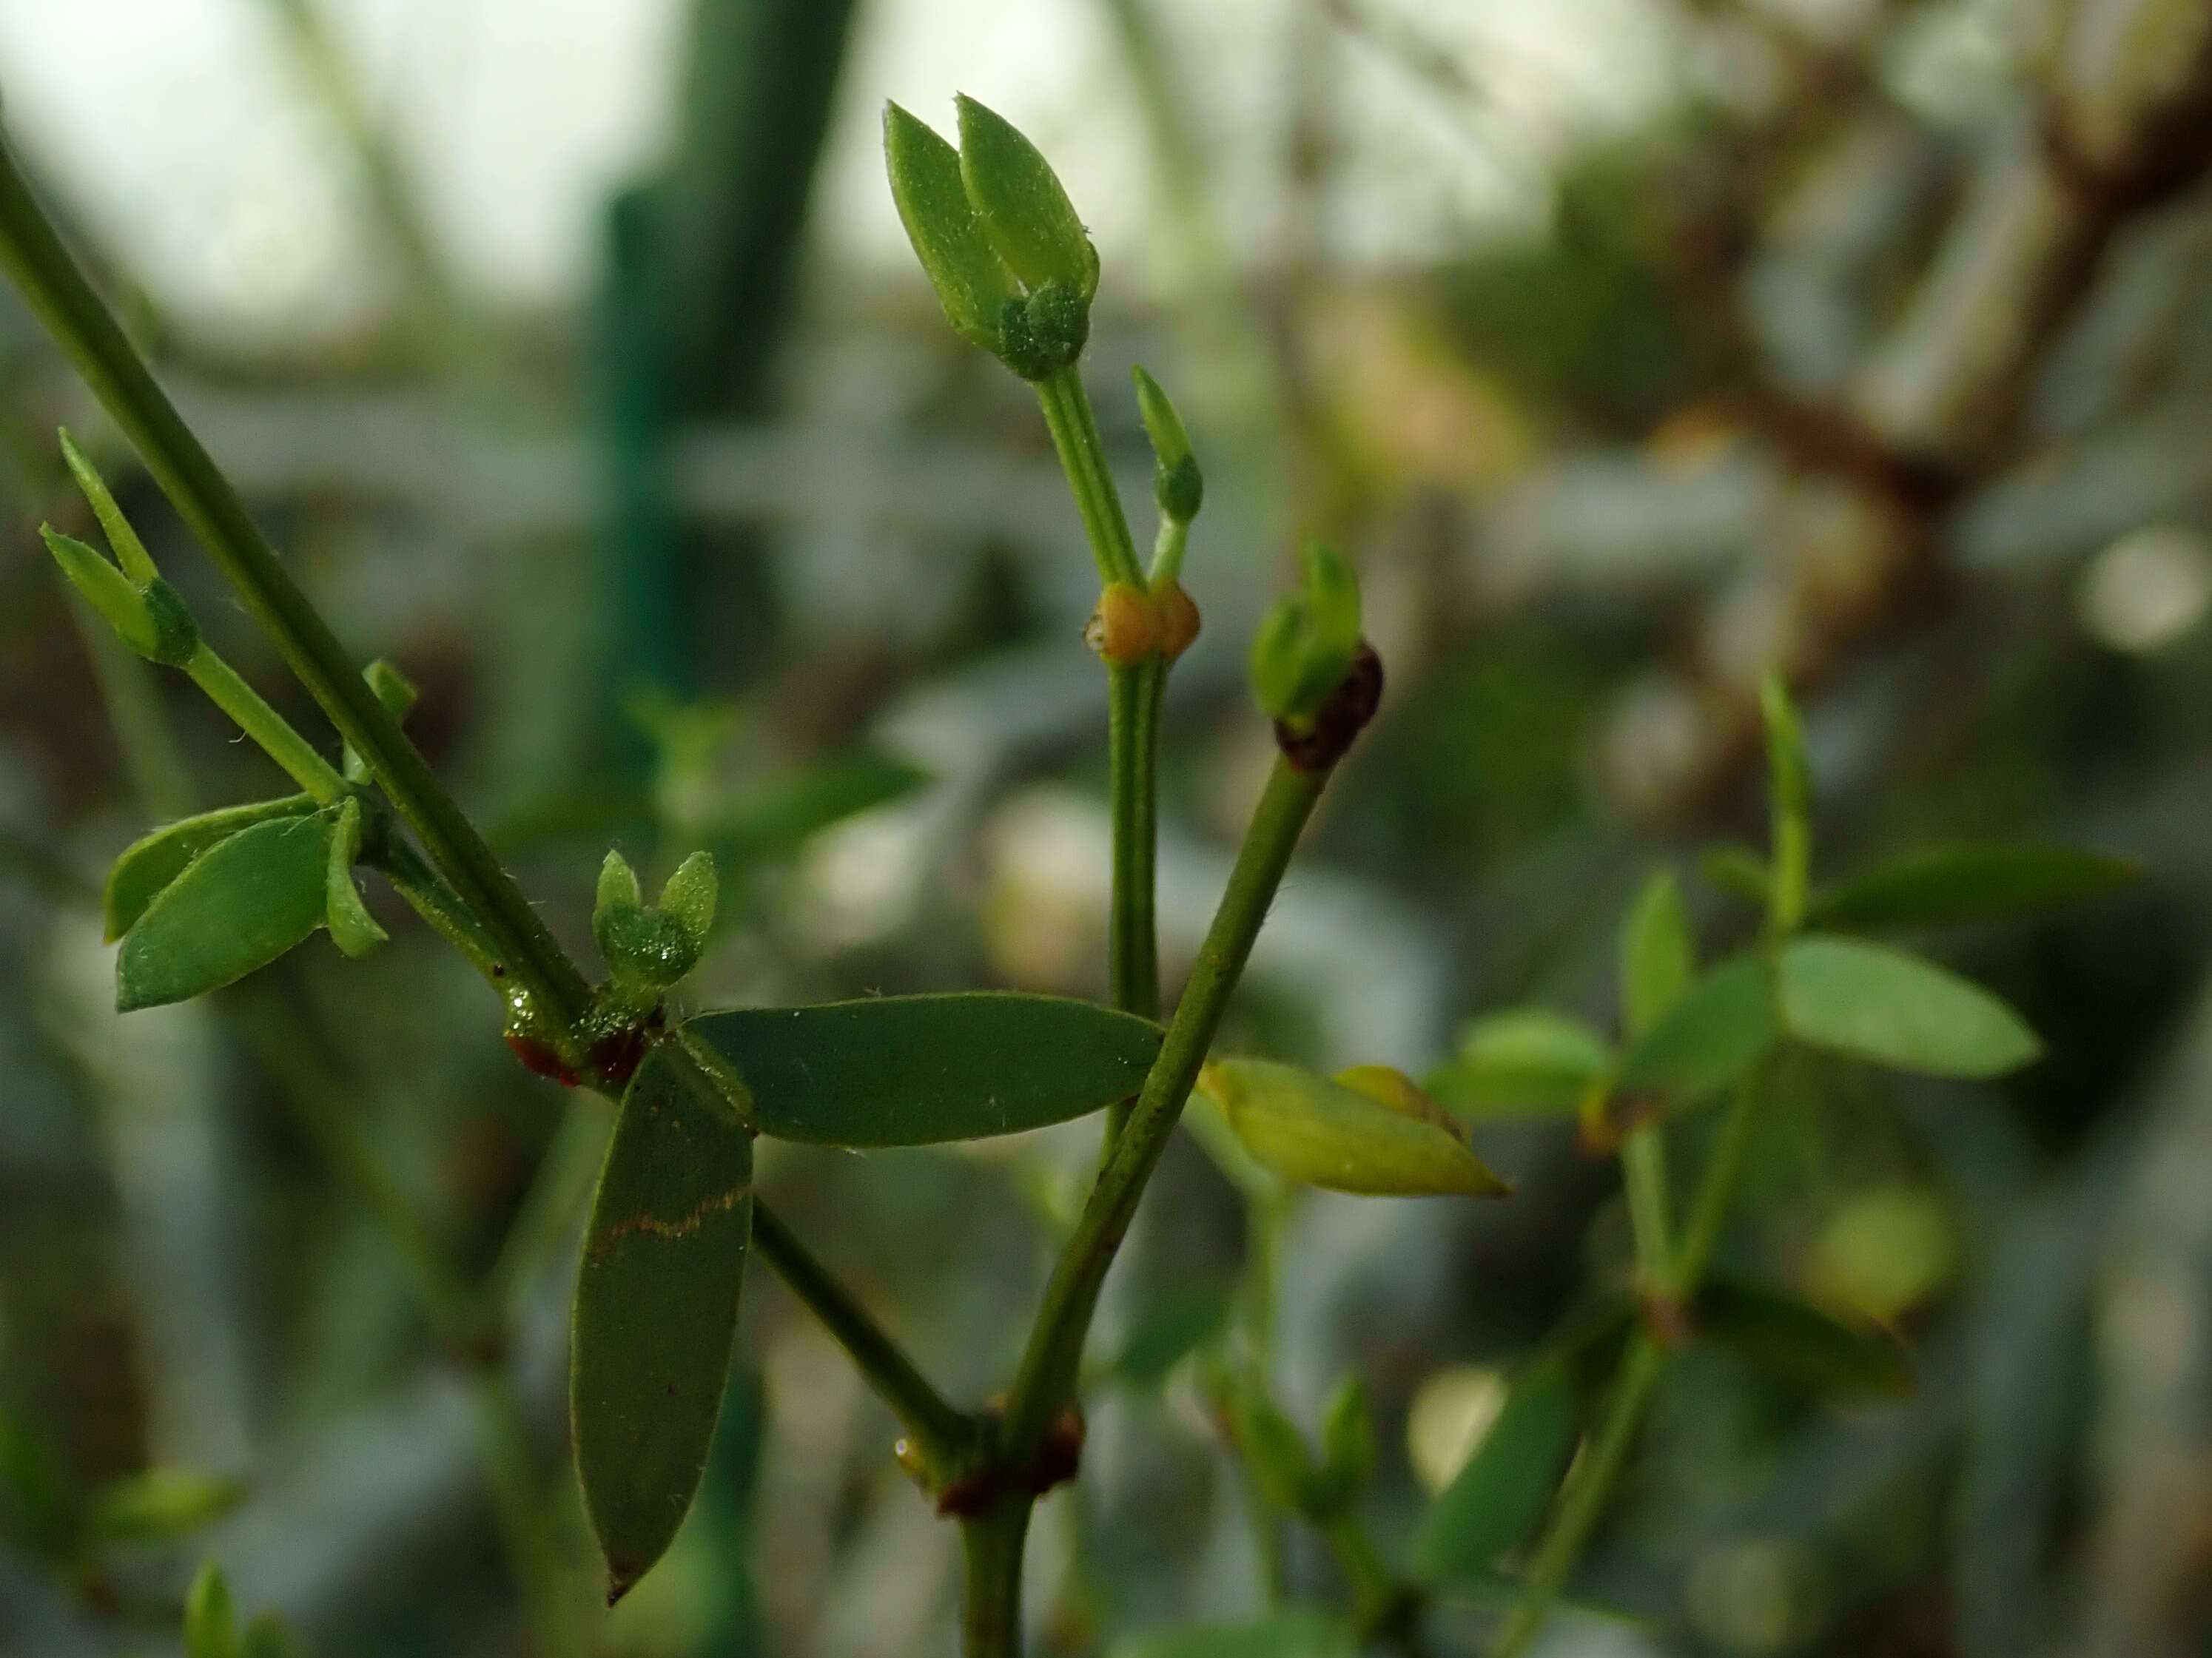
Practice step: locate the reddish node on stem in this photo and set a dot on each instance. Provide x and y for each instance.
(1340, 719)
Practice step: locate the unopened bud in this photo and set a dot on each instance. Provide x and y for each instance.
(1023, 206)
(1125, 628)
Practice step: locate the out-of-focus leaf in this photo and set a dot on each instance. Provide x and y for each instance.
(1296, 1634)
(148, 866)
(920, 1070)
(1740, 871)
(1493, 1501)
(1879, 1004)
(656, 1308)
(209, 1630)
(1527, 1061)
(1658, 957)
(237, 907)
(1168, 1329)
(1712, 1036)
(162, 1503)
(267, 1636)
(1800, 1342)
(1948, 885)
(36, 1514)
(1347, 1441)
(1321, 1132)
(1274, 1452)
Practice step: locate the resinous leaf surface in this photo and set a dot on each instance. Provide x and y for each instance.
(237, 907)
(656, 1307)
(920, 1070)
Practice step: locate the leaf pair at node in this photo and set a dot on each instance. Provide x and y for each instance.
(1002, 243)
(649, 947)
(1288, 1474)
(1305, 645)
(145, 612)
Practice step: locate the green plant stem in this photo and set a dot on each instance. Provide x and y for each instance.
(270, 731)
(944, 1434)
(1046, 1380)
(50, 283)
(1167, 553)
(1590, 1481)
(413, 880)
(1265, 1215)
(1133, 752)
(1588, 1484)
(1074, 427)
(991, 1553)
(1643, 1173)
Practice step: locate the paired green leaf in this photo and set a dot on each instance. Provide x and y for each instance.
(1304, 646)
(656, 1307)
(1949, 885)
(1024, 210)
(1800, 1342)
(1492, 1504)
(1658, 957)
(148, 866)
(353, 929)
(1876, 1003)
(237, 907)
(1369, 1132)
(972, 283)
(1715, 1033)
(1295, 1634)
(920, 1070)
(1526, 1061)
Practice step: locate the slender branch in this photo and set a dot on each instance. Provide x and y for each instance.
(945, 1435)
(1709, 1210)
(1074, 427)
(56, 291)
(270, 731)
(991, 1609)
(1643, 1173)
(1132, 754)
(1050, 1363)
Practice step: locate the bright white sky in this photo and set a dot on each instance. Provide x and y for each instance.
(183, 137)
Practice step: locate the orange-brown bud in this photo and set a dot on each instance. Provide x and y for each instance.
(1178, 620)
(1125, 628)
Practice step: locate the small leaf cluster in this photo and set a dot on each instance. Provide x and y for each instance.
(211, 1626)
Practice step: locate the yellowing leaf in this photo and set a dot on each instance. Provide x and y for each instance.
(1310, 1129)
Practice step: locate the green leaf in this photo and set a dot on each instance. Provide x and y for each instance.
(208, 1630)
(110, 592)
(1178, 485)
(1024, 208)
(1295, 1634)
(1711, 1037)
(1274, 1451)
(1949, 885)
(1798, 1341)
(972, 283)
(1347, 1441)
(237, 907)
(1361, 1139)
(266, 1636)
(1658, 958)
(148, 866)
(1876, 1003)
(1167, 1329)
(1493, 1502)
(130, 551)
(689, 895)
(353, 929)
(920, 1070)
(1525, 1061)
(1304, 646)
(656, 1307)
(162, 1503)
(1739, 870)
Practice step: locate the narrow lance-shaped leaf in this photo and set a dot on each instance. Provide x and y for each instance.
(1949, 885)
(656, 1308)
(1876, 1003)
(1712, 1036)
(1798, 1342)
(1369, 1130)
(1658, 958)
(1529, 1061)
(237, 907)
(148, 866)
(920, 1070)
(1023, 206)
(1493, 1502)
(972, 282)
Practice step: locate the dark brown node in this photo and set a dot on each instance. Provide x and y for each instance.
(1341, 718)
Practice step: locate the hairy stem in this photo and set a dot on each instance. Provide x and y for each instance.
(56, 291)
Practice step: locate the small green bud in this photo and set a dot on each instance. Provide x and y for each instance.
(1024, 210)
(1044, 333)
(1177, 484)
(1347, 1443)
(1274, 1451)
(972, 282)
(176, 636)
(689, 895)
(393, 689)
(1790, 773)
(353, 929)
(1306, 643)
(130, 551)
(649, 946)
(618, 888)
(209, 1629)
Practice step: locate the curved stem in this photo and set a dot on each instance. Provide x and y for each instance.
(50, 283)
